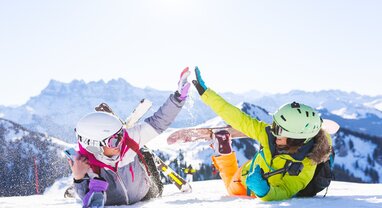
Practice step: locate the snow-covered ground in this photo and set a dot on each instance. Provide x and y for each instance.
(212, 194)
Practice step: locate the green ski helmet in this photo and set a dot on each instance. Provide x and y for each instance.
(296, 121)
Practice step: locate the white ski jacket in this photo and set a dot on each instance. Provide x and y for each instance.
(130, 183)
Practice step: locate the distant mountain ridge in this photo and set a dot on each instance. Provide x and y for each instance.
(60, 105)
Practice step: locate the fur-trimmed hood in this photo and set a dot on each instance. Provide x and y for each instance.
(321, 149)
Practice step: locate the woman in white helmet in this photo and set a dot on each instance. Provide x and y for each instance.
(290, 150)
(108, 170)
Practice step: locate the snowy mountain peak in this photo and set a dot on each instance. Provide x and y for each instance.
(59, 88)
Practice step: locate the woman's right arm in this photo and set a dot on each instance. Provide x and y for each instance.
(233, 115)
(229, 113)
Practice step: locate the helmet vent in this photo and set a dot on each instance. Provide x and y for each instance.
(298, 109)
(282, 117)
(307, 113)
(313, 114)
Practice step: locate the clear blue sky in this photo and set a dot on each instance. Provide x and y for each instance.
(239, 45)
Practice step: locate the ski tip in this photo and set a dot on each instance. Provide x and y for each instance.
(170, 142)
(186, 188)
(330, 126)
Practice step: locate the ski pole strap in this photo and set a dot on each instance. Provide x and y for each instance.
(250, 171)
(326, 191)
(261, 152)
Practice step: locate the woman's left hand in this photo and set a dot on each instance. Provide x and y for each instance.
(183, 84)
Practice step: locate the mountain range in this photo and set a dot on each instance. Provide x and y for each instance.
(59, 106)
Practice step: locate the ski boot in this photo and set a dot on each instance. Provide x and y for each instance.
(222, 143)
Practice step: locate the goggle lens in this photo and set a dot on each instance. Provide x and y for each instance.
(115, 140)
(277, 130)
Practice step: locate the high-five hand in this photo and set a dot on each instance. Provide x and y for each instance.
(199, 83)
(183, 84)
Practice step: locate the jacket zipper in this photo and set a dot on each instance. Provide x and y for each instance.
(123, 187)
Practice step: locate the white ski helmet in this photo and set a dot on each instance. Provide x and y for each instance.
(94, 128)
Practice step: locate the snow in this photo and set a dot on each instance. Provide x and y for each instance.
(212, 194)
(11, 135)
(375, 104)
(344, 113)
(358, 154)
(60, 142)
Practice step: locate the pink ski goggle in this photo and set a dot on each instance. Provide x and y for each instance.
(115, 140)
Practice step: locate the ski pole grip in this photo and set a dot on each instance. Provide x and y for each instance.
(272, 173)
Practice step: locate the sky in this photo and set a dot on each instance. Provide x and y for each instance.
(268, 46)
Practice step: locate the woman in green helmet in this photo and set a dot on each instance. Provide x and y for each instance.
(290, 149)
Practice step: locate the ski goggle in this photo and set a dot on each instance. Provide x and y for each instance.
(277, 131)
(95, 146)
(115, 140)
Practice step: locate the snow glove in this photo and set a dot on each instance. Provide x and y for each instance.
(199, 83)
(95, 197)
(183, 85)
(257, 183)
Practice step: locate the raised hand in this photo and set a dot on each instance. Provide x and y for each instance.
(183, 84)
(199, 83)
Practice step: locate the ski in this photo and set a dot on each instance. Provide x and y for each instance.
(206, 133)
(330, 126)
(138, 112)
(174, 177)
(200, 134)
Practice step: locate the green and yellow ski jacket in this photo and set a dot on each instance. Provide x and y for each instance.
(282, 186)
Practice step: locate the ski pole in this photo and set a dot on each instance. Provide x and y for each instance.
(293, 168)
